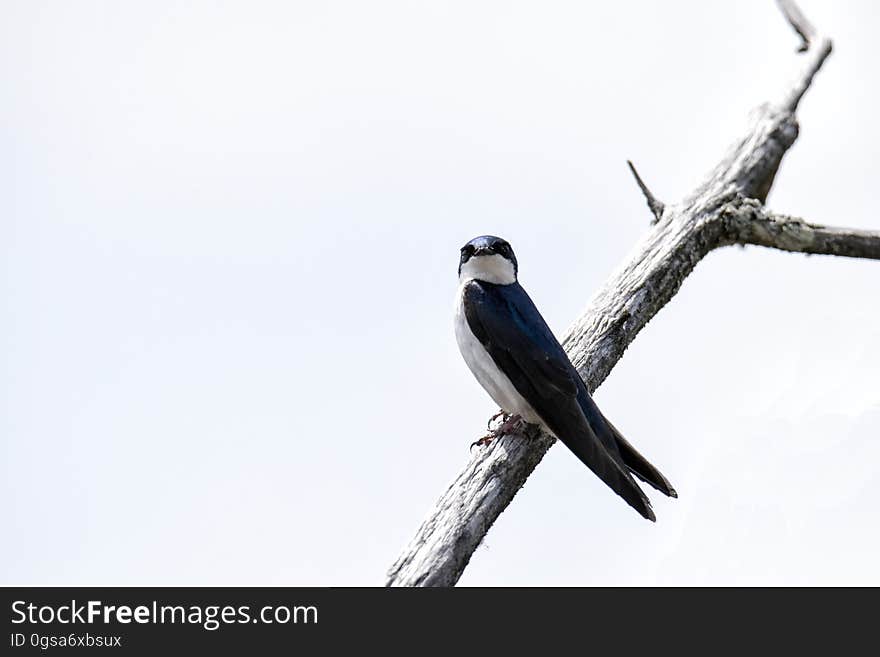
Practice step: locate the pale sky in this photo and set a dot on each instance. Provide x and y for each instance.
(230, 234)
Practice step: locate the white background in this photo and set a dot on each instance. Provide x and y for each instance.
(230, 233)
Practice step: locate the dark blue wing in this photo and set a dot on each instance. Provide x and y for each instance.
(504, 319)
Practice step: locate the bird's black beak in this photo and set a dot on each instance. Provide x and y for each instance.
(483, 251)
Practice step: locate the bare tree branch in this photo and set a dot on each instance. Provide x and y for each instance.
(798, 21)
(750, 223)
(655, 206)
(816, 46)
(721, 211)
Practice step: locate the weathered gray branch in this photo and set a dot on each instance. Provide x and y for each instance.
(656, 207)
(799, 22)
(722, 211)
(750, 223)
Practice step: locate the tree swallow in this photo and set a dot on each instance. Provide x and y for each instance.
(515, 357)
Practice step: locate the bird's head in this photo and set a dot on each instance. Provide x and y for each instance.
(488, 258)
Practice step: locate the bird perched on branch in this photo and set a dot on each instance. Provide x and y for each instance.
(515, 357)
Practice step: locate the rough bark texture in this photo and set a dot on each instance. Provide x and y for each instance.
(725, 209)
(749, 223)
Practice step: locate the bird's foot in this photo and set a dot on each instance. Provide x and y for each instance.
(493, 418)
(511, 424)
(484, 441)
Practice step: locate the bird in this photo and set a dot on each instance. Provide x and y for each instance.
(515, 357)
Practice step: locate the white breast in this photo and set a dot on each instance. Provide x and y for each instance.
(493, 380)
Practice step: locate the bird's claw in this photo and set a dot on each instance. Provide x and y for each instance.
(511, 424)
(484, 441)
(493, 418)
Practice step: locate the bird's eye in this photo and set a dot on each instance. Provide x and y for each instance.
(467, 250)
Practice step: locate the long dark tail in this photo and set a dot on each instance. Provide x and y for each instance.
(639, 465)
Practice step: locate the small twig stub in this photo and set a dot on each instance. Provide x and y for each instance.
(655, 206)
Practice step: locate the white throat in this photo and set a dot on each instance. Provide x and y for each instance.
(492, 269)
